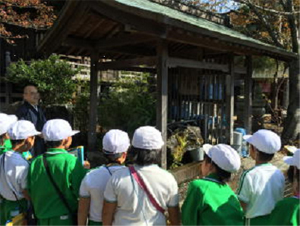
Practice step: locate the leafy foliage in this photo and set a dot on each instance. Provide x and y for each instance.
(272, 27)
(177, 144)
(182, 139)
(24, 13)
(128, 105)
(270, 21)
(52, 76)
(81, 107)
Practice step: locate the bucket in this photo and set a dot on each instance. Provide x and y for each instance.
(237, 138)
(244, 147)
(237, 142)
(197, 154)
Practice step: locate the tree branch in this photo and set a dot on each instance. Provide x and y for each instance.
(293, 27)
(23, 7)
(265, 23)
(39, 28)
(268, 9)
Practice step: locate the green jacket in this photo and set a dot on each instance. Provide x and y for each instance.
(67, 173)
(5, 147)
(286, 212)
(210, 202)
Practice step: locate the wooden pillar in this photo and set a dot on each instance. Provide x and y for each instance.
(8, 88)
(286, 90)
(230, 100)
(162, 96)
(92, 136)
(248, 96)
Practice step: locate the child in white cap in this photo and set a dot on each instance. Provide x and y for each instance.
(127, 201)
(287, 211)
(5, 145)
(210, 200)
(5, 122)
(115, 146)
(65, 170)
(263, 185)
(14, 170)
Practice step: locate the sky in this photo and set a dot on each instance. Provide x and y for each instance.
(227, 6)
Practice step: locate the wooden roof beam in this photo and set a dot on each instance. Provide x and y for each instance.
(222, 45)
(149, 63)
(179, 62)
(57, 33)
(78, 42)
(142, 62)
(98, 24)
(186, 63)
(136, 51)
(136, 69)
(123, 40)
(201, 41)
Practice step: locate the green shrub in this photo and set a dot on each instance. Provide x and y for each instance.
(81, 109)
(52, 76)
(128, 104)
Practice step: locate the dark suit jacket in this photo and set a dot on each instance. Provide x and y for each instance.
(27, 112)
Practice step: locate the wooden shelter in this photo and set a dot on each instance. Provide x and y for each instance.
(190, 56)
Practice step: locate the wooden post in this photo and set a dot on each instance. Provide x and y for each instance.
(8, 88)
(92, 136)
(248, 96)
(162, 96)
(286, 90)
(230, 100)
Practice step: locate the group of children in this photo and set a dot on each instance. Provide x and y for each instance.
(62, 192)
(24, 184)
(210, 201)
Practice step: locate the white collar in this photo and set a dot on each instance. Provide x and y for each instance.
(35, 107)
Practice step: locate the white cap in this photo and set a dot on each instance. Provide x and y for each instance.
(147, 137)
(6, 121)
(224, 156)
(293, 161)
(57, 129)
(265, 141)
(21, 130)
(115, 141)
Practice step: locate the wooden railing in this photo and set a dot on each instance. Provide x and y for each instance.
(84, 73)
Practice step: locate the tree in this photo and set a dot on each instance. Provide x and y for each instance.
(24, 13)
(274, 22)
(279, 25)
(53, 77)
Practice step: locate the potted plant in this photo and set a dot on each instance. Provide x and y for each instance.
(194, 142)
(177, 144)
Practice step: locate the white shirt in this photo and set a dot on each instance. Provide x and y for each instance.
(93, 186)
(261, 188)
(35, 107)
(134, 206)
(14, 175)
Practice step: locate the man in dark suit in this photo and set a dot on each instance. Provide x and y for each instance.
(30, 111)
